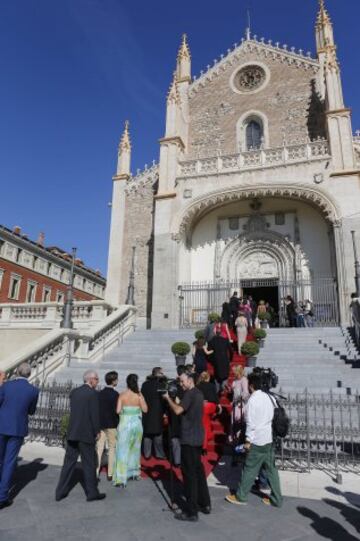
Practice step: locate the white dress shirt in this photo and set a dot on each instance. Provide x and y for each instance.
(259, 415)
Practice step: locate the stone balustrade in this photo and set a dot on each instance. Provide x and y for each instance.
(256, 159)
(49, 314)
(59, 346)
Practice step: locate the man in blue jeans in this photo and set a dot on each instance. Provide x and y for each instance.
(259, 444)
(18, 399)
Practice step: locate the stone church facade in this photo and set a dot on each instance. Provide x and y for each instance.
(257, 188)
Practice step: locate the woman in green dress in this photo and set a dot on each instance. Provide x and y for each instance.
(130, 406)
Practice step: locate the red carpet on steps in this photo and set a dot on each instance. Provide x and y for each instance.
(158, 469)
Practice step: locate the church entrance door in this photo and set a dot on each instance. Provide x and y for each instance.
(268, 294)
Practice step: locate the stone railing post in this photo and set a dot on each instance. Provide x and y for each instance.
(5, 315)
(51, 316)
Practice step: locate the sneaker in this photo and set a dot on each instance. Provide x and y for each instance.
(265, 490)
(266, 501)
(231, 498)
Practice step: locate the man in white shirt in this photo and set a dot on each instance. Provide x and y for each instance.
(259, 416)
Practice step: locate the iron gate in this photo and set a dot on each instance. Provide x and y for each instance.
(197, 299)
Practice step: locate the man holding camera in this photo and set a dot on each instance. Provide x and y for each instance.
(259, 445)
(190, 409)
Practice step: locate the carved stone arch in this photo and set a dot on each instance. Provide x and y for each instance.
(274, 252)
(185, 221)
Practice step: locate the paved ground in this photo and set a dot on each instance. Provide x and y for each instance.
(139, 513)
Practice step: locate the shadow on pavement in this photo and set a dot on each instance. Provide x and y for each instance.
(326, 527)
(25, 474)
(350, 514)
(351, 497)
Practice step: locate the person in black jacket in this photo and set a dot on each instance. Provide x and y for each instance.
(109, 421)
(153, 419)
(220, 353)
(83, 431)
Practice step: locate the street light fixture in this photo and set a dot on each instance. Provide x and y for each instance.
(67, 318)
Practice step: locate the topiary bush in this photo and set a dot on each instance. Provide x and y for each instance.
(214, 317)
(250, 349)
(264, 316)
(260, 334)
(200, 334)
(180, 348)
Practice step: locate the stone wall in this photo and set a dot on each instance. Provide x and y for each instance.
(289, 101)
(139, 233)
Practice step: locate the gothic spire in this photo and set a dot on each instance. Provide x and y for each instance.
(125, 142)
(183, 63)
(323, 15)
(325, 38)
(184, 49)
(124, 154)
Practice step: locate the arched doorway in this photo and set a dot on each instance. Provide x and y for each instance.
(269, 247)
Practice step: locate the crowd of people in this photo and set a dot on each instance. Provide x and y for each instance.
(168, 419)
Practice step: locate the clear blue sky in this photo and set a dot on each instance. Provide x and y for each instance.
(73, 70)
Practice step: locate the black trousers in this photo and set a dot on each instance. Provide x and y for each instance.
(195, 485)
(88, 456)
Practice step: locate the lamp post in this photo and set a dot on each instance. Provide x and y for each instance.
(130, 299)
(357, 265)
(67, 318)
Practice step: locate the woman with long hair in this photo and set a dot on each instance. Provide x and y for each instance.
(130, 406)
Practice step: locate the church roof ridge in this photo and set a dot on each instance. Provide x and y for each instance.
(281, 51)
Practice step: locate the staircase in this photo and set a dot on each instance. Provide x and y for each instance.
(316, 359)
(138, 354)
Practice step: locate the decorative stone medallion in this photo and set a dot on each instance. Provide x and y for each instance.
(250, 78)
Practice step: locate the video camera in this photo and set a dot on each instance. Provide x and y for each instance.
(269, 379)
(169, 386)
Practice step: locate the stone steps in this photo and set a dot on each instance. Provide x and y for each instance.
(300, 361)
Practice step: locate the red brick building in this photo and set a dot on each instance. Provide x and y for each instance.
(31, 272)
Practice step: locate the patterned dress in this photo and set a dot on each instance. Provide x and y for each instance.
(128, 445)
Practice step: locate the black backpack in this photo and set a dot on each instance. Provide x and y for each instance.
(280, 422)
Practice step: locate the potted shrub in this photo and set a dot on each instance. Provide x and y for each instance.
(213, 317)
(200, 334)
(180, 350)
(264, 318)
(250, 350)
(260, 335)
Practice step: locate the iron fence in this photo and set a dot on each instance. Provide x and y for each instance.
(324, 429)
(198, 299)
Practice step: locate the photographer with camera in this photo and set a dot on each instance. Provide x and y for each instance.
(258, 443)
(190, 410)
(153, 418)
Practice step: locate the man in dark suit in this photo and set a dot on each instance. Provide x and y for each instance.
(153, 419)
(109, 421)
(83, 431)
(18, 399)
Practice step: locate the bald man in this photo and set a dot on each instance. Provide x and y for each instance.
(83, 431)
